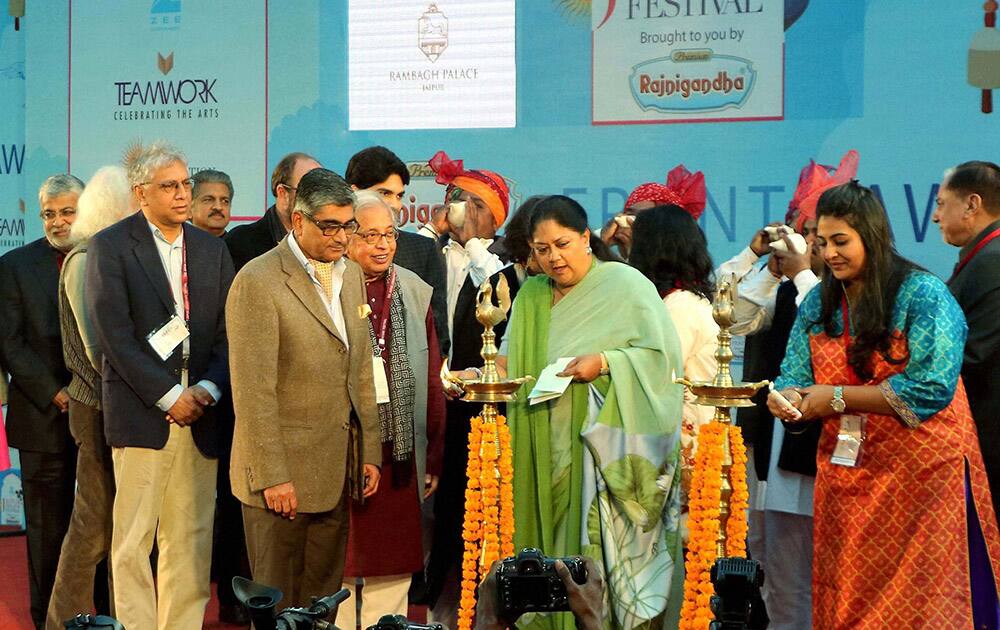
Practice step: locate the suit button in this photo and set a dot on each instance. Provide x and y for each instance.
(343, 351)
(346, 426)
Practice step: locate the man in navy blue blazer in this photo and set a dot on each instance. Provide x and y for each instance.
(158, 289)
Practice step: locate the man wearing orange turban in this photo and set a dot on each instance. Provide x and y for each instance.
(476, 205)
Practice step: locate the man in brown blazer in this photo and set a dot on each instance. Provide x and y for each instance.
(302, 374)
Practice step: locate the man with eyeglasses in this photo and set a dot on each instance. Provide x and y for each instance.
(307, 437)
(385, 546)
(380, 170)
(156, 292)
(31, 352)
(247, 242)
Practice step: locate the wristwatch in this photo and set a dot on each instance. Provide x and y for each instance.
(838, 403)
(605, 369)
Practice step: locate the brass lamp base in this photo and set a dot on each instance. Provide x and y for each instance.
(502, 391)
(712, 395)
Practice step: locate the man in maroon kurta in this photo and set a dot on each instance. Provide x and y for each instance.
(385, 541)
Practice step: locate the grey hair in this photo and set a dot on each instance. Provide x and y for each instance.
(322, 187)
(59, 184)
(106, 200)
(209, 176)
(140, 161)
(368, 198)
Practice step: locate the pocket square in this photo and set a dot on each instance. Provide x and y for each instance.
(364, 311)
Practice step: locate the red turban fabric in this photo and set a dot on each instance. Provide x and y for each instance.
(683, 188)
(814, 180)
(487, 185)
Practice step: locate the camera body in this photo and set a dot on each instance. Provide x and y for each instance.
(528, 582)
(737, 603)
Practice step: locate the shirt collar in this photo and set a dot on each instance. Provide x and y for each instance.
(453, 244)
(158, 235)
(304, 261)
(977, 239)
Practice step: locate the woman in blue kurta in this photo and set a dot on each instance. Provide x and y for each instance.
(905, 535)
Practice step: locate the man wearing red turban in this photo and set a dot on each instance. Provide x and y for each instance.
(476, 205)
(683, 189)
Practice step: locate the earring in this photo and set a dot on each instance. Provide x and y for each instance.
(589, 251)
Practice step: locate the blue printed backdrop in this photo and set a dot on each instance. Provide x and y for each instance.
(881, 77)
(12, 85)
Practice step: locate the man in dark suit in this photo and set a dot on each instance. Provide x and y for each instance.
(31, 351)
(380, 170)
(157, 292)
(968, 213)
(246, 242)
(211, 200)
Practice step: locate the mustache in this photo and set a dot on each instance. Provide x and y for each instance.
(216, 213)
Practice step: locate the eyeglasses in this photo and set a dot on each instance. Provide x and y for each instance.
(374, 238)
(287, 187)
(173, 186)
(65, 213)
(332, 228)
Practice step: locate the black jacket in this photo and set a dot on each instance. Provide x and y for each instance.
(128, 296)
(246, 242)
(976, 287)
(423, 257)
(31, 348)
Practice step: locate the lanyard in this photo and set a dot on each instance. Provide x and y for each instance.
(185, 296)
(975, 250)
(852, 375)
(386, 304)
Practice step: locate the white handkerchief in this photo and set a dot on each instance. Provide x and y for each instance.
(549, 386)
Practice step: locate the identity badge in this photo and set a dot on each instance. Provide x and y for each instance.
(850, 439)
(381, 383)
(165, 339)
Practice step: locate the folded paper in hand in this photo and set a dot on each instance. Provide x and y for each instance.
(549, 386)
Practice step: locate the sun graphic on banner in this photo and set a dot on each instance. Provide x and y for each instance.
(574, 8)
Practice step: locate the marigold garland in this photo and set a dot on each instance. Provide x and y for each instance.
(739, 501)
(704, 515)
(488, 530)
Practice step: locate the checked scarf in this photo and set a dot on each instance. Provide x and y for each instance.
(396, 416)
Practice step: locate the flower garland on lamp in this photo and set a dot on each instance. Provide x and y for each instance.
(717, 520)
(739, 501)
(488, 530)
(708, 533)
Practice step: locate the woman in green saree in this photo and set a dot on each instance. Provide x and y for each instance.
(596, 471)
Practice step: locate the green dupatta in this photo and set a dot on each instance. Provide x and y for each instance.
(618, 499)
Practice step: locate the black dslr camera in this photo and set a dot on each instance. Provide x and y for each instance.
(737, 603)
(529, 583)
(399, 622)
